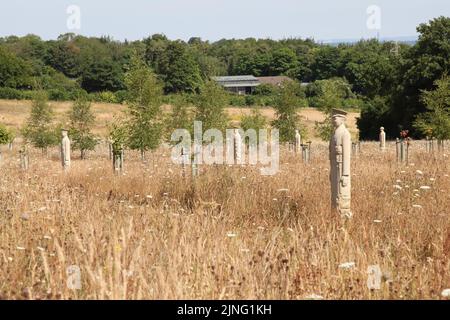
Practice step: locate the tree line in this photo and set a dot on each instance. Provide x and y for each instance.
(385, 80)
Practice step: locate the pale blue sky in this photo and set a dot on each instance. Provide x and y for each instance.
(216, 19)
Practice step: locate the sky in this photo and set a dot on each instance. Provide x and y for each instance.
(216, 19)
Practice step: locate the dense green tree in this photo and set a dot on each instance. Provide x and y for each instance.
(436, 121)
(286, 106)
(283, 60)
(375, 114)
(418, 68)
(14, 71)
(102, 75)
(370, 67)
(118, 135)
(6, 135)
(155, 48)
(424, 63)
(39, 129)
(181, 117)
(210, 106)
(82, 120)
(179, 69)
(255, 120)
(144, 107)
(64, 57)
(326, 63)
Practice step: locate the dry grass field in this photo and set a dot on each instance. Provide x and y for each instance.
(14, 113)
(229, 234)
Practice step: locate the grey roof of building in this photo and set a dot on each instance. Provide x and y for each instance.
(237, 81)
(236, 78)
(239, 84)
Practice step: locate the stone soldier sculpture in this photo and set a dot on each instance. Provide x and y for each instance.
(340, 154)
(382, 139)
(298, 141)
(65, 150)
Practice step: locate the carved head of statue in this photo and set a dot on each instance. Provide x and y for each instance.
(382, 129)
(64, 132)
(338, 117)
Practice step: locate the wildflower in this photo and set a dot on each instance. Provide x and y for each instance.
(419, 172)
(347, 265)
(20, 248)
(25, 216)
(377, 221)
(396, 186)
(425, 188)
(282, 190)
(417, 206)
(40, 249)
(231, 235)
(445, 293)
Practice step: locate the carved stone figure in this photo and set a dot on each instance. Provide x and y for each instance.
(340, 156)
(117, 155)
(65, 150)
(382, 139)
(24, 160)
(298, 141)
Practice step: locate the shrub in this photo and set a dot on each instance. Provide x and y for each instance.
(10, 93)
(236, 101)
(6, 135)
(105, 97)
(58, 95)
(250, 100)
(121, 96)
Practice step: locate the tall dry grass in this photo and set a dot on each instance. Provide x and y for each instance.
(230, 234)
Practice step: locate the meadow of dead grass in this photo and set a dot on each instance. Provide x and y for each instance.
(229, 234)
